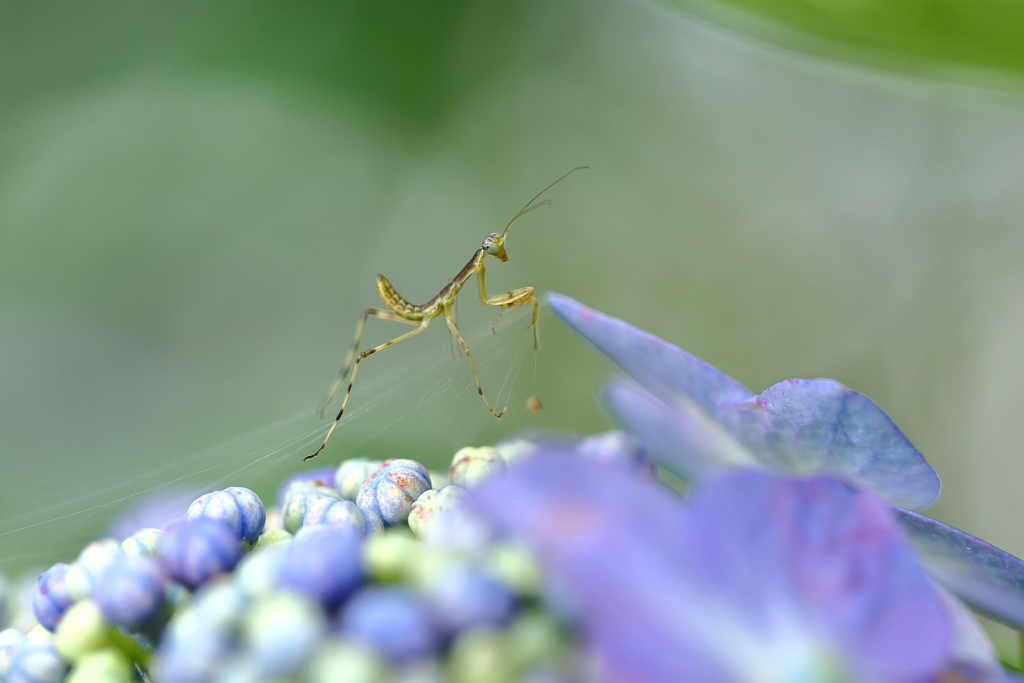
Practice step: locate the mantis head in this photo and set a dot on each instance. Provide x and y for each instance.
(494, 245)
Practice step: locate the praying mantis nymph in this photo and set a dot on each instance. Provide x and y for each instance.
(400, 310)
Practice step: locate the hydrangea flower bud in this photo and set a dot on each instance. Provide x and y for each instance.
(438, 480)
(390, 556)
(515, 567)
(391, 492)
(131, 592)
(50, 597)
(339, 514)
(83, 629)
(352, 473)
(142, 543)
(480, 656)
(257, 573)
(272, 538)
(298, 503)
(90, 565)
(236, 507)
(200, 635)
(324, 563)
(254, 515)
(103, 666)
(514, 450)
(346, 660)
(11, 640)
(432, 504)
(471, 465)
(320, 477)
(36, 662)
(393, 621)
(618, 447)
(466, 597)
(198, 549)
(280, 632)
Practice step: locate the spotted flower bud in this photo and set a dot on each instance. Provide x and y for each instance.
(432, 504)
(471, 465)
(391, 492)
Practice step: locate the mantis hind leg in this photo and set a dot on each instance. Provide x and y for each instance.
(352, 378)
(351, 355)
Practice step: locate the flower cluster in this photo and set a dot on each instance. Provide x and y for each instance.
(795, 555)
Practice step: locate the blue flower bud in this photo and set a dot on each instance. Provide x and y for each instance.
(471, 465)
(254, 515)
(352, 473)
(340, 514)
(618, 447)
(236, 507)
(86, 571)
(393, 621)
(464, 598)
(199, 636)
(324, 563)
(298, 503)
(391, 492)
(36, 662)
(50, 597)
(131, 592)
(11, 640)
(197, 549)
(142, 543)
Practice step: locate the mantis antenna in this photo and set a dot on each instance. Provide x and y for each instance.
(538, 196)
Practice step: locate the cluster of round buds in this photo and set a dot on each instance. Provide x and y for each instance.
(352, 576)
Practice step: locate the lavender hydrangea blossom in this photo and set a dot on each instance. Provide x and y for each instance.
(696, 420)
(761, 577)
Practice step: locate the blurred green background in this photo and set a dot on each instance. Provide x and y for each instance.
(195, 199)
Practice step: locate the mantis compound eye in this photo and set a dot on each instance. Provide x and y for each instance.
(493, 243)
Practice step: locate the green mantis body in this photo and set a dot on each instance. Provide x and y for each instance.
(400, 310)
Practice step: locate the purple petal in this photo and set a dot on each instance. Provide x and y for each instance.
(818, 425)
(684, 439)
(797, 425)
(986, 578)
(662, 368)
(763, 574)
